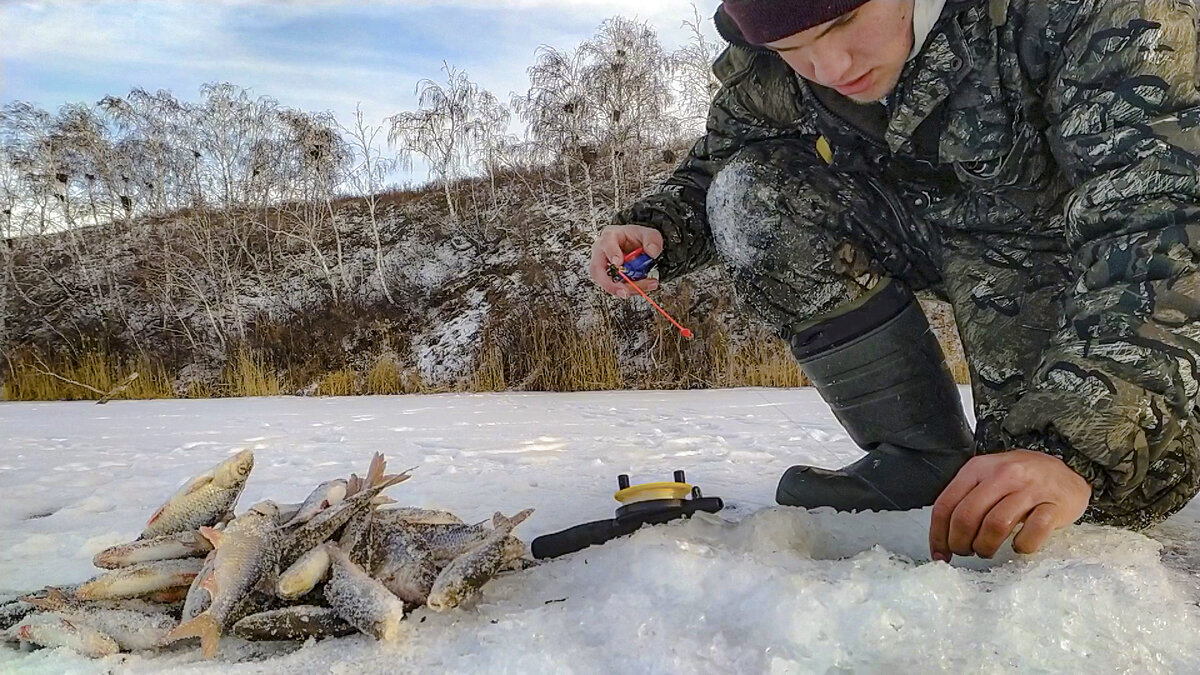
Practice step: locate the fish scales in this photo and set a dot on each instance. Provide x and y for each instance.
(245, 551)
(463, 578)
(140, 579)
(132, 630)
(203, 501)
(298, 622)
(362, 601)
(407, 569)
(50, 630)
(327, 494)
(188, 544)
(419, 516)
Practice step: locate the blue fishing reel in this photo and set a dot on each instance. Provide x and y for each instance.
(637, 266)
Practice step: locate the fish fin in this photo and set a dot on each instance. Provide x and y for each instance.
(266, 583)
(156, 515)
(354, 485)
(213, 535)
(502, 522)
(204, 627)
(380, 500)
(197, 483)
(57, 595)
(209, 583)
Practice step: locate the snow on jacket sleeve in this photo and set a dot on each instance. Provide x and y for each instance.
(1119, 384)
(749, 107)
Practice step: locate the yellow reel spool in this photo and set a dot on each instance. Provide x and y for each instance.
(650, 491)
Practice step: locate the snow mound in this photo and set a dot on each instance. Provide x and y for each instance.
(784, 590)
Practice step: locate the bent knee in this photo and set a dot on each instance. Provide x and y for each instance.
(764, 203)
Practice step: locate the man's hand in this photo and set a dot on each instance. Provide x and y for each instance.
(610, 248)
(992, 494)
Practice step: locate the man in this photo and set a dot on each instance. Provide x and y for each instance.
(1032, 162)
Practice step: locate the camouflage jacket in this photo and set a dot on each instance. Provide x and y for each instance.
(1076, 121)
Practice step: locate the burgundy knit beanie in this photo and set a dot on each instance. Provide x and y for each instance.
(763, 21)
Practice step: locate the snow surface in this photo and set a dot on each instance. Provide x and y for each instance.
(757, 589)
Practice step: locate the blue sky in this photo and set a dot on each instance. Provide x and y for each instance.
(314, 54)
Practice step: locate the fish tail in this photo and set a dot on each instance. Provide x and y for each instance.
(376, 478)
(204, 627)
(375, 471)
(55, 599)
(393, 479)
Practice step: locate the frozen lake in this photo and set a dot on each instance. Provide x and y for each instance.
(758, 589)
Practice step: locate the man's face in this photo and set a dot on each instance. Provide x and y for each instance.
(860, 54)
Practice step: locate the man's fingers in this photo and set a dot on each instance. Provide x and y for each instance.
(943, 508)
(610, 249)
(1000, 522)
(598, 271)
(611, 246)
(652, 242)
(969, 514)
(1041, 522)
(647, 285)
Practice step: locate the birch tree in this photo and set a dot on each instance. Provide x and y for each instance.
(366, 177)
(628, 77)
(559, 114)
(693, 73)
(442, 128)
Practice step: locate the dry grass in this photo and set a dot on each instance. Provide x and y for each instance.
(337, 383)
(531, 350)
(386, 378)
(539, 350)
(489, 370)
(248, 374)
(84, 378)
(760, 363)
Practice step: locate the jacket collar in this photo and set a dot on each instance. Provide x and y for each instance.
(927, 81)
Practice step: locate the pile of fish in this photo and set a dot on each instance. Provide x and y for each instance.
(345, 560)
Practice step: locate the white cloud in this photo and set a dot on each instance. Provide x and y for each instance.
(178, 45)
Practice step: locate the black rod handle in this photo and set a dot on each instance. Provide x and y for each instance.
(578, 538)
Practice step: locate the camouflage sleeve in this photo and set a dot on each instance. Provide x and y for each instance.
(1116, 389)
(745, 110)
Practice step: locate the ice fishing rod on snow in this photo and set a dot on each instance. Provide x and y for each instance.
(635, 267)
(645, 504)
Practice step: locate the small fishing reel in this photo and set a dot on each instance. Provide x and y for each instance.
(637, 266)
(645, 504)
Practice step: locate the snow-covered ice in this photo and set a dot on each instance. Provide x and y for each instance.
(755, 589)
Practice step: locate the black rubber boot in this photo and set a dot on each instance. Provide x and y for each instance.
(880, 368)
